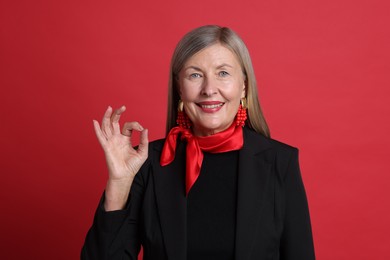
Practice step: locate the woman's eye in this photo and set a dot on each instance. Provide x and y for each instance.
(223, 73)
(195, 75)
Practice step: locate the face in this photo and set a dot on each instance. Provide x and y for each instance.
(211, 85)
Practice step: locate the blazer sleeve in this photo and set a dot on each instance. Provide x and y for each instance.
(296, 240)
(114, 234)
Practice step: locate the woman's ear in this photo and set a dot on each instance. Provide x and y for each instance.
(178, 90)
(243, 94)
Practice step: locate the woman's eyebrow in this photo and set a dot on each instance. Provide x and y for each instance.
(218, 67)
(224, 65)
(192, 67)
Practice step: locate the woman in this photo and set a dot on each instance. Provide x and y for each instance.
(217, 187)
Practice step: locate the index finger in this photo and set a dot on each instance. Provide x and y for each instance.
(106, 128)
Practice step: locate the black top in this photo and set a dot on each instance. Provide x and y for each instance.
(272, 216)
(211, 209)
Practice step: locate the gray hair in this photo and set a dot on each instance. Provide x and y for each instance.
(199, 39)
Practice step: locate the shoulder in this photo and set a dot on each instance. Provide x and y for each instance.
(251, 137)
(279, 153)
(154, 150)
(156, 145)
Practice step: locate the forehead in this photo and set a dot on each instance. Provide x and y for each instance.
(213, 55)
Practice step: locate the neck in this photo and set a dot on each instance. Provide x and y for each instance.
(202, 132)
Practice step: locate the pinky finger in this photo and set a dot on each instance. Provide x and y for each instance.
(99, 134)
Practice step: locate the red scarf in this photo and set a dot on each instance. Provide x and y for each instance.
(229, 140)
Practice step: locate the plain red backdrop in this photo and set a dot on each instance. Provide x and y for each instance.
(323, 73)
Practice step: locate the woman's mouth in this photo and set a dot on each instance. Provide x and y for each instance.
(210, 106)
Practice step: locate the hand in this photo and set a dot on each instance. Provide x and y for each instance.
(123, 161)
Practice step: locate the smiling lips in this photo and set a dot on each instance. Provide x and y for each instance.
(210, 106)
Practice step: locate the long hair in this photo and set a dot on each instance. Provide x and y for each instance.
(199, 39)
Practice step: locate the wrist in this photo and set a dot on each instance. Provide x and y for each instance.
(116, 194)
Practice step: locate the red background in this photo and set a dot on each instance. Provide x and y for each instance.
(323, 72)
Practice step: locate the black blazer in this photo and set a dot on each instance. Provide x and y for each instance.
(272, 213)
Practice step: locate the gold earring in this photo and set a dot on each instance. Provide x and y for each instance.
(244, 103)
(182, 119)
(180, 106)
(241, 113)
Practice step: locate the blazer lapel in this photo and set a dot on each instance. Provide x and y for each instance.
(171, 202)
(254, 170)
(255, 160)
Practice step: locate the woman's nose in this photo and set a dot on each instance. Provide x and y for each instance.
(209, 87)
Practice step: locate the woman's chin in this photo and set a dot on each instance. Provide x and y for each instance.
(209, 128)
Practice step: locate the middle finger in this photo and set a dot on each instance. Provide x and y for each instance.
(115, 118)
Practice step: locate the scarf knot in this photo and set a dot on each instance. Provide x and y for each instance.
(230, 139)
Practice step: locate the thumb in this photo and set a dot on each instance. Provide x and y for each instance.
(144, 143)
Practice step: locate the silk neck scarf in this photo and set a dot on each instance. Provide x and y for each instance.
(229, 140)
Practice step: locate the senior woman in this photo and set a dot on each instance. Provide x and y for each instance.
(217, 187)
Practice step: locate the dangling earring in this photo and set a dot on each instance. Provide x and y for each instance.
(182, 119)
(241, 114)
